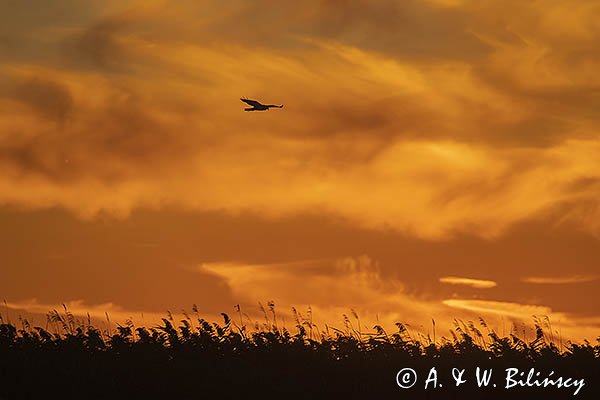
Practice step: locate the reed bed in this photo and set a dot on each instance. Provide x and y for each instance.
(193, 357)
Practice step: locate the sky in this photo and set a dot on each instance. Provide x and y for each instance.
(434, 159)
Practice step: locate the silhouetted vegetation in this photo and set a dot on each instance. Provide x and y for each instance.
(195, 358)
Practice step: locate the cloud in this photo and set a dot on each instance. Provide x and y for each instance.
(330, 288)
(149, 116)
(560, 280)
(46, 98)
(507, 309)
(569, 325)
(350, 285)
(476, 283)
(348, 281)
(81, 310)
(98, 47)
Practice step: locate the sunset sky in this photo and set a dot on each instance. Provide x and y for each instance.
(434, 158)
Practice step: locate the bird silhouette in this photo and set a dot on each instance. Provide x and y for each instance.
(258, 106)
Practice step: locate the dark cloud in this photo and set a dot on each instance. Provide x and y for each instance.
(46, 98)
(31, 30)
(115, 139)
(403, 29)
(400, 29)
(98, 47)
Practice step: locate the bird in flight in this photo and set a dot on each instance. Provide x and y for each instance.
(257, 106)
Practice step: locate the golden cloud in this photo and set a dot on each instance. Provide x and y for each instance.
(476, 283)
(331, 288)
(569, 325)
(559, 280)
(429, 146)
(98, 312)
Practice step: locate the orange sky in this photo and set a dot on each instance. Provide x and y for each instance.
(435, 158)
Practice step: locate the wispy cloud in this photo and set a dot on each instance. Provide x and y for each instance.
(520, 311)
(330, 288)
(570, 325)
(559, 280)
(508, 309)
(333, 287)
(476, 283)
(81, 309)
(367, 118)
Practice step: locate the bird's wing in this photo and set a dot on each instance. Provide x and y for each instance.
(252, 103)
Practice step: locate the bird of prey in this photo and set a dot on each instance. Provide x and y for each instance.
(257, 106)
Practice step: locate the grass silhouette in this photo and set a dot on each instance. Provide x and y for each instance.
(195, 358)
